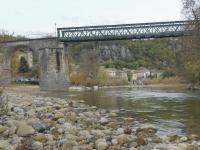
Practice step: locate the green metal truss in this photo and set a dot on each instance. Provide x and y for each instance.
(124, 31)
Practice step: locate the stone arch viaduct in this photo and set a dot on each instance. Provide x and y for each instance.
(50, 53)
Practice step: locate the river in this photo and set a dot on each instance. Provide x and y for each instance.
(172, 111)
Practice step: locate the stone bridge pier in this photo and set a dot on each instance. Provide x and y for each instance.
(53, 69)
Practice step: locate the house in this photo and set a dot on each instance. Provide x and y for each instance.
(138, 76)
(115, 73)
(111, 72)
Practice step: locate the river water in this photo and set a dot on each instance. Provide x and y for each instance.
(171, 111)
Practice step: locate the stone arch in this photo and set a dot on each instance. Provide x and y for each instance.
(16, 53)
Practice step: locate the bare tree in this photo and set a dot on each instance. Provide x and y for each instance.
(89, 65)
(191, 44)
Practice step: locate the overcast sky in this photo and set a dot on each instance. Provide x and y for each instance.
(35, 16)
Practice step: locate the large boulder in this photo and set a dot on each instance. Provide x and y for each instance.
(23, 129)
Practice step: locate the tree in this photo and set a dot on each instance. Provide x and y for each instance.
(89, 66)
(191, 44)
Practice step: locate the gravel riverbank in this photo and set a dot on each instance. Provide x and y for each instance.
(47, 123)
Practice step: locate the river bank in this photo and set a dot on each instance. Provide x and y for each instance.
(40, 122)
(166, 86)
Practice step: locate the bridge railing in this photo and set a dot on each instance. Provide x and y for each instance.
(124, 31)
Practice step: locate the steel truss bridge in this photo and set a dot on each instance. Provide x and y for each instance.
(124, 31)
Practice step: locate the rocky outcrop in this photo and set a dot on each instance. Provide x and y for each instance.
(113, 52)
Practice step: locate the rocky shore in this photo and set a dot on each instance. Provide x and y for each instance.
(46, 123)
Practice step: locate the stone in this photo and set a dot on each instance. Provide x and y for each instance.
(141, 141)
(133, 148)
(58, 115)
(86, 134)
(4, 145)
(97, 133)
(12, 130)
(127, 131)
(86, 147)
(89, 114)
(2, 129)
(60, 130)
(114, 141)
(173, 147)
(112, 114)
(40, 137)
(24, 129)
(101, 144)
(183, 139)
(125, 139)
(39, 127)
(18, 110)
(104, 121)
(70, 145)
(120, 131)
(61, 120)
(37, 146)
(147, 128)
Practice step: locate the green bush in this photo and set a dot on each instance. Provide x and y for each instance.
(168, 74)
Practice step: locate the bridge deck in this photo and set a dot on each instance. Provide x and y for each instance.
(123, 31)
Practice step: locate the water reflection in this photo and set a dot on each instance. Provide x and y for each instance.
(172, 111)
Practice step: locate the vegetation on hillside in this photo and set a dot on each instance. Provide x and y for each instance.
(157, 53)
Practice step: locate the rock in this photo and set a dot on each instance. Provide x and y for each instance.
(89, 114)
(129, 119)
(61, 131)
(39, 127)
(58, 115)
(23, 129)
(72, 116)
(71, 137)
(104, 121)
(2, 129)
(18, 110)
(183, 146)
(114, 141)
(97, 133)
(61, 121)
(4, 145)
(86, 147)
(81, 101)
(156, 139)
(147, 128)
(191, 147)
(85, 134)
(49, 103)
(40, 137)
(183, 139)
(120, 131)
(141, 141)
(95, 88)
(127, 131)
(112, 114)
(70, 145)
(101, 144)
(12, 130)
(133, 148)
(173, 147)
(126, 139)
(37, 146)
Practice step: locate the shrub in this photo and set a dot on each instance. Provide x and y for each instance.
(168, 74)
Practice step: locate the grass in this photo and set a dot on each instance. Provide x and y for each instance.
(171, 80)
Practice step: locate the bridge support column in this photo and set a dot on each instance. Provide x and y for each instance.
(53, 70)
